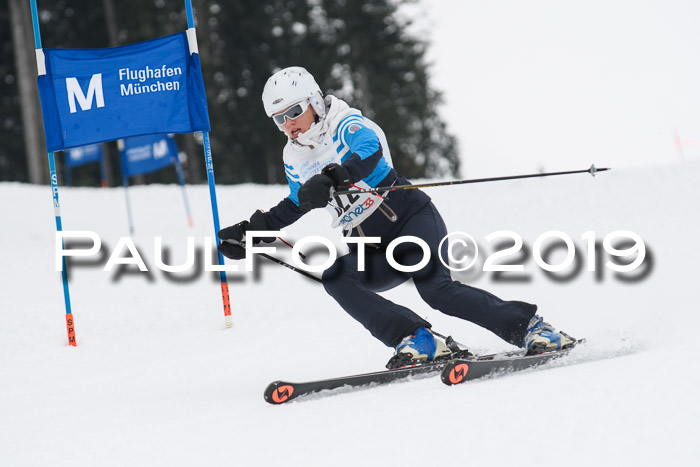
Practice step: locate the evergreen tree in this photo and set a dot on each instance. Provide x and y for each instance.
(358, 51)
(381, 69)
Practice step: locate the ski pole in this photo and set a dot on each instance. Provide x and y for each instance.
(592, 170)
(279, 261)
(289, 266)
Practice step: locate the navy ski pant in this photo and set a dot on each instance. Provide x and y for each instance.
(356, 291)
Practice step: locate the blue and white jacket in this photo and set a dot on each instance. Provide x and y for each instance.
(344, 136)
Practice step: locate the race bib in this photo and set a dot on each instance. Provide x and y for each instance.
(350, 210)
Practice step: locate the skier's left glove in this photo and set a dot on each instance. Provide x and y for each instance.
(317, 190)
(234, 237)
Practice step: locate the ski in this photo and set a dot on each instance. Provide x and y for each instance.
(462, 366)
(280, 392)
(459, 370)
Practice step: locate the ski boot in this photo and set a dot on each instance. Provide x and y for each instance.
(421, 347)
(542, 337)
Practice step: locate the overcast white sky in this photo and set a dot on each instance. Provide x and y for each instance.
(560, 84)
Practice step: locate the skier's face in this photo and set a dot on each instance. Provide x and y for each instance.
(294, 127)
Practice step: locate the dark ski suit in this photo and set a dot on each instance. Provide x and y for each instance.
(402, 213)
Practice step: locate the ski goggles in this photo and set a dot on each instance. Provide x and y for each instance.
(291, 113)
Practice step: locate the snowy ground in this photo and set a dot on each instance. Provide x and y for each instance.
(156, 378)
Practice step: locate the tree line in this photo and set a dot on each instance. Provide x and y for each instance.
(360, 51)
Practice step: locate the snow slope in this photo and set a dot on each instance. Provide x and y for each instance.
(156, 378)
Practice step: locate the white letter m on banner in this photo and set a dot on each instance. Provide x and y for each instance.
(94, 91)
(160, 149)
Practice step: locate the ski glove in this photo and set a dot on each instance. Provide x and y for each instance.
(317, 190)
(233, 238)
(338, 174)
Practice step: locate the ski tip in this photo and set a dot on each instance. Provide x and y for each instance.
(279, 392)
(455, 372)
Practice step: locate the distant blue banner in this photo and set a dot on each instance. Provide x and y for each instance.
(83, 155)
(144, 154)
(95, 95)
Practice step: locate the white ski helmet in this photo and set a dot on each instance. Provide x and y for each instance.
(290, 86)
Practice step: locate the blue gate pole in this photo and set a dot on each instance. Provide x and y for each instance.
(54, 187)
(212, 195)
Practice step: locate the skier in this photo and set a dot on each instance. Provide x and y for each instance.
(331, 145)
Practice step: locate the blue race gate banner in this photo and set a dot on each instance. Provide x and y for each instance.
(144, 154)
(83, 155)
(95, 95)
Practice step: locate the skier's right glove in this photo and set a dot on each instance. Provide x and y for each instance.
(233, 238)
